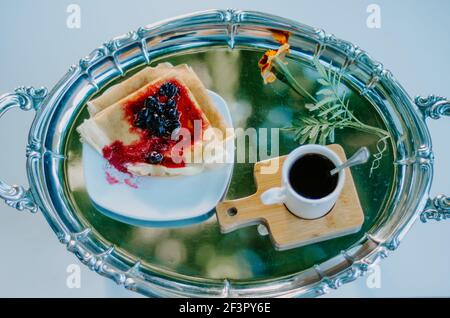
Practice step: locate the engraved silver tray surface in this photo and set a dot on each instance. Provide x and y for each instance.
(404, 117)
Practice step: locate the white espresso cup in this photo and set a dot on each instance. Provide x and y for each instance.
(300, 206)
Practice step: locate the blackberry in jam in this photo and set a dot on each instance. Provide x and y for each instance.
(141, 118)
(140, 123)
(168, 89)
(171, 125)
(156, 125)
(171, 103)
(159, 108)
(151, 102)
(159, 117)
(172, 113)
(155, 157)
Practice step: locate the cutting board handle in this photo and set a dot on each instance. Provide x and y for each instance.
(239, 213)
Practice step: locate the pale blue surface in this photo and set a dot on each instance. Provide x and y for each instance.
(37, 48)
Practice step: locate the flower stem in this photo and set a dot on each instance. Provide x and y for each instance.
(285, 75)
(368, 129)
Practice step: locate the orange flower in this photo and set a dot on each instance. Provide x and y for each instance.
(266, 62)
(281, 37)
(273, 63)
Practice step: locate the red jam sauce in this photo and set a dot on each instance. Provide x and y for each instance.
(130, 183)
(110, 179)
(119, 155)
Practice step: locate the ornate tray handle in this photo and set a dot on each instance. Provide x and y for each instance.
(435, 107)
(25, 98)
(436, 209)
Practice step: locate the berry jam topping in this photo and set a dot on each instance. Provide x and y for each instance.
(169, 90)
(159, 114)
(154, 115)
(151, 102)
(172, 114)
(171, 103)
(119, 155)
(155, 158)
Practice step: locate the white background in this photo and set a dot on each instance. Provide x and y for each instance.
(37, 48)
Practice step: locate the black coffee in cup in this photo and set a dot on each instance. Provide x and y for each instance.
(310, 176)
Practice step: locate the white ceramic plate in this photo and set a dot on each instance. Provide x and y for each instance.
(156, 201)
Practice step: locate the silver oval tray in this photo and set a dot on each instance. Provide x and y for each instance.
(57, 110)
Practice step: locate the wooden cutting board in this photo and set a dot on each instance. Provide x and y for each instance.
(287, 230)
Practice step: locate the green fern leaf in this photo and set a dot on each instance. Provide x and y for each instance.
(325, 91)
(329, 110)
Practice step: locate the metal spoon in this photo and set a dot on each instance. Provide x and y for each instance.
(359, 157)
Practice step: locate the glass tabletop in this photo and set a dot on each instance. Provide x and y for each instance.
(201, 250)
